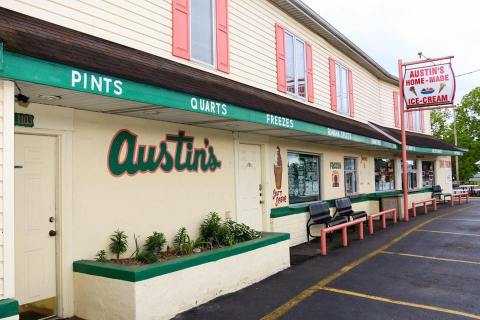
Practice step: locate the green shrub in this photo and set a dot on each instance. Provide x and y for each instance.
(101, 256)
(147, 256)
(118, 243)
(182, 243)
(155, 243)
(240, 232)
(212, 230)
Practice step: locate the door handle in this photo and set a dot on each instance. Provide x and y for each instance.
(52, 233)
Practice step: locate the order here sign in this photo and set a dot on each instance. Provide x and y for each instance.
(429, 85)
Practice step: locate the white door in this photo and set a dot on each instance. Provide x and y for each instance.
(35, 170)
(249, 186)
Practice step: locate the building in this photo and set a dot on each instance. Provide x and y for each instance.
(147, 115)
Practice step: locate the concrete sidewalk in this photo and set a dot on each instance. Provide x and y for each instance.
(429, 258)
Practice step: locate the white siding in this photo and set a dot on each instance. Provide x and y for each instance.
(146, 25)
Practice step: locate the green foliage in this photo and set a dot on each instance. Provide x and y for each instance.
(468, 131)
(182, 243)
(147, 256)
(212, 230)
(101, 256)
(155, 243)
(118, 243)
(240, 232)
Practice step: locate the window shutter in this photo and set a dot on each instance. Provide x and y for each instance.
(350, 93)
(333, 85)
(181, 28)
(422, 120)
(309, 72)
(281, 67)
(410, 120)
(396, 109)
(223, 63)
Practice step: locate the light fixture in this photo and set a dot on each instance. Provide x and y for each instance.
(48, 97)
(21, 98)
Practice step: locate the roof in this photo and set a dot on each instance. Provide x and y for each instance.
(308, 17)
(419, 139)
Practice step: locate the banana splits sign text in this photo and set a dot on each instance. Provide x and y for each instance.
(127, 156)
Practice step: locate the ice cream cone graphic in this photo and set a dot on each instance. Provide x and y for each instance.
(277, 169)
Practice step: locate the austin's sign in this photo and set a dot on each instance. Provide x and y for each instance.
(429, 85)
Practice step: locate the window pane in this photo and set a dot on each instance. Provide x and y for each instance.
(345, 107)
(300, 67)
(384, 174)
(416, 120)
(290, 62)
(428, 173)
(202, 39)
(338, 88)
(303, 177)
(411, 174)
(350, 170)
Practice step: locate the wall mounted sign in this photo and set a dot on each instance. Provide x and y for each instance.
(429, 85)
(127, 156)
(335, 179)
(335, 165)
(277, 168)
(24, 120)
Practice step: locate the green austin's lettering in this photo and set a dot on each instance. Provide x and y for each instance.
(140, 158)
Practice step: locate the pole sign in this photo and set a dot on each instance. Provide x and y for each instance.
(429, 85)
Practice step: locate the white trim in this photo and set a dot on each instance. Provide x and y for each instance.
(8, 190)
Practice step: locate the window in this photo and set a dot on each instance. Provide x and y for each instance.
(384, 174)
(416, 121)
(343, 101)
(202, 30)
(428, 173)
(350, 170)
(295, 65)
(411, 174)
(303, 177)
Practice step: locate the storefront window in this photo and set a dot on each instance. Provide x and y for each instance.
(350, 168)
(384, 174)
(428, 173)
(411, 174)
(303, 177)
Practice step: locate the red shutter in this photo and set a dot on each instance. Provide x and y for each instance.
(350, 93)
(333, 84)
(309, 72)
(396, 110)
(422, 120)
(223, 63)
(410, 120)
(281, 67)
(181, 28)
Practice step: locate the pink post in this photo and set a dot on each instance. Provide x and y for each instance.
(394, 215)
(414, 209)
(467, 196)
(384, 221)
(425, 207)
(370, 224)
(323, 243)
(344, 236)
(452, 199)
(360, 231)
(434, 204)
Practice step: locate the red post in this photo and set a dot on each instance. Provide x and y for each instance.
(394, 216)
(344, 237)
(452, 200)
(360, 231)
(370, 224)
(384, 221)
(434, 204)
(425, 207)
(323, 243)
(414, 209)
(404, 141)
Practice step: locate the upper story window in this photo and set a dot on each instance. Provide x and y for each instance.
(295, 64)
(413, 120)
(417, 126)
(202, 30)
(341, 88)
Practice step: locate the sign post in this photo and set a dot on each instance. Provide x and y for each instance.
(424, 85)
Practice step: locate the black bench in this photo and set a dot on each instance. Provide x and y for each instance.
(437, 192)
(320, 214)
(344, 209)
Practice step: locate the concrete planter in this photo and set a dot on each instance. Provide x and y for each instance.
(162, 290)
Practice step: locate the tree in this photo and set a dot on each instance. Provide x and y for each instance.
(468, 130)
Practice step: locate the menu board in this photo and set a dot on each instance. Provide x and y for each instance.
(303, 177)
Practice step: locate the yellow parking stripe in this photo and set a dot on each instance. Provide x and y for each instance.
(447, 232)
(403, 303)
(431, 258)
(459, 219)
(281, 310)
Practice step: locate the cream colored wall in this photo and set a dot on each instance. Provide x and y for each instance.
(146, 26)
(1, 193)
(148, 202)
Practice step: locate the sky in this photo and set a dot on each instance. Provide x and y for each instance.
(392, 30)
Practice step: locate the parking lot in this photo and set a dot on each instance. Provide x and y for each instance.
(428, 268)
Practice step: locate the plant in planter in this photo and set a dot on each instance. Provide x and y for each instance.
(212, 231)
(118, 243)
(101, 256)
(155, 243)
(240, 232)
(182, 243)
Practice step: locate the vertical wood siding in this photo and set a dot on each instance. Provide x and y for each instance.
(147, 26)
